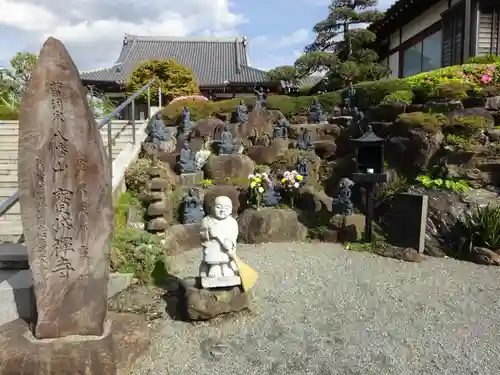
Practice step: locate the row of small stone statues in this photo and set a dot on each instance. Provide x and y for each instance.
(191, 206)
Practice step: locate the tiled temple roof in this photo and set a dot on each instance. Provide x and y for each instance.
(213, 61)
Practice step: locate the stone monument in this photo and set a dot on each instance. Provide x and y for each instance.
(66, 201)
(157, 134)
(185, 120)
(315, 112)
(302, 168)
(186, 165)
(67, 216)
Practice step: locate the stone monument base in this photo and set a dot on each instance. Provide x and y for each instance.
(125, 337)
(220, 282)
(191, 179)
(204, 304)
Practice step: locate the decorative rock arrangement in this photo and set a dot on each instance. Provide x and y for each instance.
(159, 208)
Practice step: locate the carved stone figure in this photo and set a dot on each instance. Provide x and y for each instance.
(186, 160)
(260, 98)
(226, 143)
(185, 120)
(315, 112)
(305, 142)
(241, 112)
(342, 202)
(191, 208)
(201, 157)
(281, 128)
(219, 232)
(302, 168)
(157, 134)
(272, 197)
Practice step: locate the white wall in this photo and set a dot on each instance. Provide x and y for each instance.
(394, 40)
(394, 64)
(426, 19)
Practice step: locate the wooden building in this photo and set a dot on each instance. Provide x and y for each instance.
(220, 66)
(422, 35)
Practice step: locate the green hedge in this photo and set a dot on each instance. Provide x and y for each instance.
(288, 105)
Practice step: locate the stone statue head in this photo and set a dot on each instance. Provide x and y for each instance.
(223, 207)
(158, 116)
(345, 183)
(186, 109)
(226, 127)
(186, 145)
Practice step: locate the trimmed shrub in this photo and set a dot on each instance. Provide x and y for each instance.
(373, 92)
(401, 96)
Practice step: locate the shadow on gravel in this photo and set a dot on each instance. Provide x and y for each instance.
(172, 297)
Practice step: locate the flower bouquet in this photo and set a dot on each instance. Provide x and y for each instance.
(291, 183)
(258, 183)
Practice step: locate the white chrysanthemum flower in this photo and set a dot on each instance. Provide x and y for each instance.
(286, 174)
(296, 185)
(261, 189)
(250, 176)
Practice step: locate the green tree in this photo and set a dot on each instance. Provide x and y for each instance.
(173, 78)
(283, 73)
(351, 56)
(22, 65)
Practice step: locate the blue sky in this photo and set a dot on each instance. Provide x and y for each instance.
(93, 30)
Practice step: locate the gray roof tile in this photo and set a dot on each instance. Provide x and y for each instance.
(213, 61)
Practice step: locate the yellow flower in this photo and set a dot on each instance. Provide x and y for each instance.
(283, 180)
(252, 184)
(299, 177)
(257, 179)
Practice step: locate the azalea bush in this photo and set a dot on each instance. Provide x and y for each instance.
(291, 183)
(258, 184)
(475, 76)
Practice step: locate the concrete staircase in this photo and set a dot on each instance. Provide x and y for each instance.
(10, 224)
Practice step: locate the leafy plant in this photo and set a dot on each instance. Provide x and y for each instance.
(473, 124)
(125, 202)
(361, 246)
(400, 96)
(206, 183)
(136, 251)
(487, 59)
(481, 227)
(458, 141)
(453, 89)
(428, 182)
(397, 184)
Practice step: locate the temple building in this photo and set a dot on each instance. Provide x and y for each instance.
(220, 66)
(421, 35)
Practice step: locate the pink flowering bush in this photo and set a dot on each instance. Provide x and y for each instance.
(476, 77)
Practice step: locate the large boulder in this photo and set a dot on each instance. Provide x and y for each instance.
(259, 122)
(207, 127)
(270, 225)
(267, 155)
(233, 169)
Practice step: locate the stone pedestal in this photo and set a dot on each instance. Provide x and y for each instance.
(204, 304)
(191, 179)
(125, 337)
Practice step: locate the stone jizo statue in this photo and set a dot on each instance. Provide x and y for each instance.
(157, 134)
(342, 202)
(219, 232)
(241, 112)
(226, 143)
(185, 120)
(192, 208)
(302, 168)
(186, 160)
(305, 142)
(281, 128)
(260, 98)
(315, 112)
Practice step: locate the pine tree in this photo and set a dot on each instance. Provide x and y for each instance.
(343, 49)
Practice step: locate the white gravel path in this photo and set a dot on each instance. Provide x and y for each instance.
(322, 310)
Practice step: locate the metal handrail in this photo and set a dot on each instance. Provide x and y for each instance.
(6, 205)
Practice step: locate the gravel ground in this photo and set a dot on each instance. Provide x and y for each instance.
(319, 309)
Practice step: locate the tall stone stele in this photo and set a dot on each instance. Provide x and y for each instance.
(65, 198)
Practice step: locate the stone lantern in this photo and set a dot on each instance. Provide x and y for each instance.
(369, 171)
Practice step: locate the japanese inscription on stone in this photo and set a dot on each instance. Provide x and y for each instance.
(62, 163)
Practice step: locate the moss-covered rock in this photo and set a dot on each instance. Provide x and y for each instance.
(430, 123)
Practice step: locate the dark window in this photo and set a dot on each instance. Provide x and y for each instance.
(423, 56)
(453, 32)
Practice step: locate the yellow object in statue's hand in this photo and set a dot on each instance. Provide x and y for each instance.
(248, 275)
